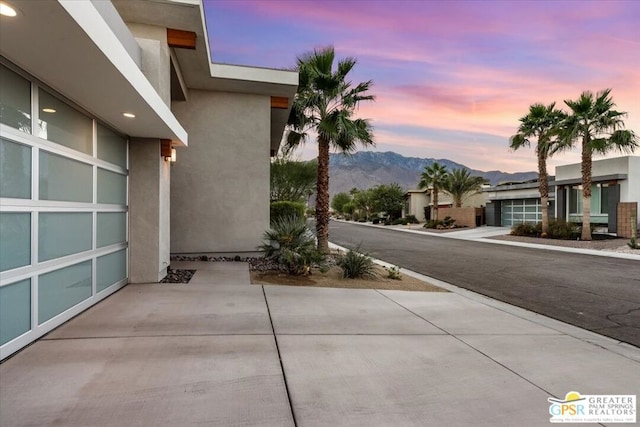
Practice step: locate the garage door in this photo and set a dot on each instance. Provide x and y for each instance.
(518, 211)
(63, 210)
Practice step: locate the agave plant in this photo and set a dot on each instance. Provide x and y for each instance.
(291, 244)
(355, 264)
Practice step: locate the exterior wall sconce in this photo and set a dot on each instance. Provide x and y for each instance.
(167, 151)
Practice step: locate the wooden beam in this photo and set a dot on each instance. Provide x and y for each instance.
(181, 39)
(165, 148)
(279, 102)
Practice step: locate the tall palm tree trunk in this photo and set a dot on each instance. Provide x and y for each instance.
(435, 203)
(322, 198)
(544, 193)
(586, 190)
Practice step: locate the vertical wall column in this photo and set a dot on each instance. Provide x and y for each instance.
(149, 195)
(561, 203)
(612, 204)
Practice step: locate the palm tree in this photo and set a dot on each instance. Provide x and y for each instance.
(600, 129)
(435, 176)
(325, 104)
(460, 184)
(541, 124)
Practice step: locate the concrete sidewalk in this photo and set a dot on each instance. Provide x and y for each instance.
(218, 351)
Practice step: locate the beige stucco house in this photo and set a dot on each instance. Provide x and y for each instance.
(94, 96)
(416, 200)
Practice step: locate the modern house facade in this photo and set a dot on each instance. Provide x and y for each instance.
(615, 192)
(512, 203)
(89, 197)
(615, 182)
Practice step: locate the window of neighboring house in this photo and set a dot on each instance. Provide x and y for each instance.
(575, 200)
(599, 199)
(604, 198)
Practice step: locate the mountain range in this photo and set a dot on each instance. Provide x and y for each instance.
(366, 169)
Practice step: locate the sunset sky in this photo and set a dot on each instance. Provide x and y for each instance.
(451, 78)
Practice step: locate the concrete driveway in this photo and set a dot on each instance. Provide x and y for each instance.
(598, 293)
(219, 351)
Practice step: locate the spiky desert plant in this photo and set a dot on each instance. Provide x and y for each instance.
(355, 264)
(291, 244)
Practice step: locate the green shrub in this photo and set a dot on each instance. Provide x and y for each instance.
(634, 244)
(291, 243)
(394, 273)
(399, 221)
(559, 229)
(527, 229)
(286, 210)
(355, 264)
(411, 219)
(432, 223)
(448, 221)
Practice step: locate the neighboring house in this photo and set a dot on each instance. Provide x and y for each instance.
(615, 181)
(615, 193)
(513, 203)
(94, 95)
(416, 201)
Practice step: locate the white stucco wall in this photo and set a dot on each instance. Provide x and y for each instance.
(508, 194)
(155, 56)
(598, 167)
(220, 184)
(630, 188)
(629, 165)
(164, 217)
(148, 211)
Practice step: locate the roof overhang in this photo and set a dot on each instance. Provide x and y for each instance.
(595, 179)
(197, 67)
(83, 50)
(513, 186)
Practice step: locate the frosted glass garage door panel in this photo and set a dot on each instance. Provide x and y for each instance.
(112, 147)
(63, 234)
(112, 228)
(15, 170)
(15, 240)
(15, 100)
(112, 187)
(15, 310)
(65, 179)
(111, 268)
(64, 125)
(62, 289)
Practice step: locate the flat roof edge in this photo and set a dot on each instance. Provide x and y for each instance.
(599, 178)
(93, 23)
(254, 74)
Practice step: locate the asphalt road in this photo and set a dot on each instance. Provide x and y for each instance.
(600, 294)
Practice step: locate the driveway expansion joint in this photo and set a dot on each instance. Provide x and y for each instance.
(284, 374)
